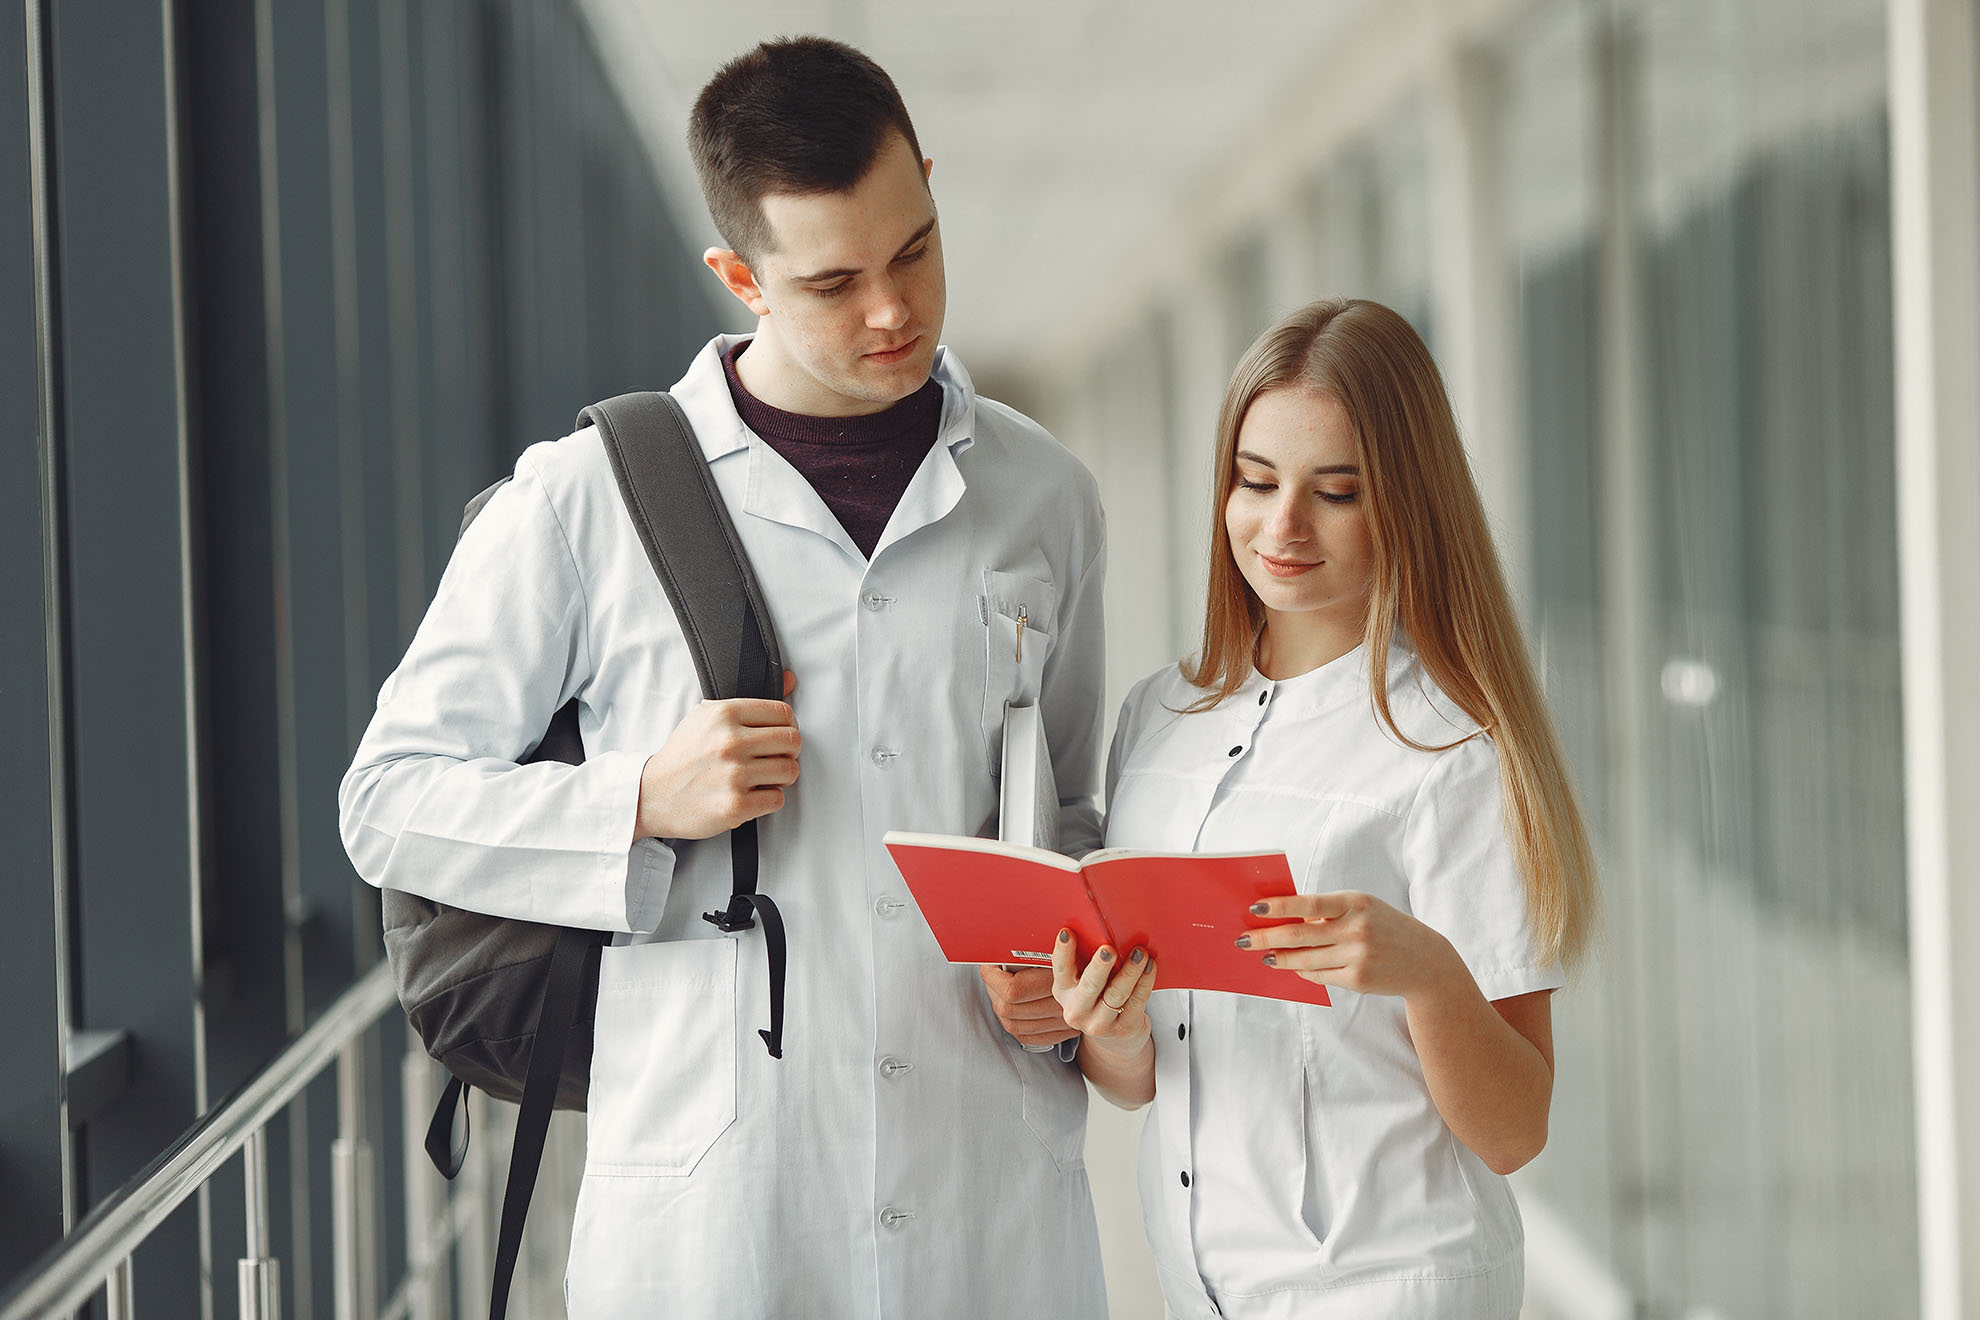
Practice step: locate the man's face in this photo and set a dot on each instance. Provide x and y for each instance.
(850, 295)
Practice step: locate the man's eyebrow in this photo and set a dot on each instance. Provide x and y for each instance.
(843, 271)
(1333, 470)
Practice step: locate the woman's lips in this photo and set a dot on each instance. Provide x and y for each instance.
(893, 355)
(1286, 568)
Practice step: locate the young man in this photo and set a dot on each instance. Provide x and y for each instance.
(926, 555)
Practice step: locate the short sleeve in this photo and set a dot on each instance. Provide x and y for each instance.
(1464, 879)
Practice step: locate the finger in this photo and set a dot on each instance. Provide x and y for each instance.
(760, 802)
(1063, 953)
(1326, 962)
(790, 682)
(1121, 989)
(769, 772)
(1048, 1036)
(1305, 907)
(1032, 985)
(766, 740)
(1142, 989)
(1032, 1010)
(1292, 935)
(758, 713)
(1094, 979)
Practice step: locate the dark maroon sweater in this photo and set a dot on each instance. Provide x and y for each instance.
(860, 466)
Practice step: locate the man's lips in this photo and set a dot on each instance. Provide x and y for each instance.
(887, 357)
(1286, 568)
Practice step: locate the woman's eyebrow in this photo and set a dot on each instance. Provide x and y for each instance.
(1331, 470)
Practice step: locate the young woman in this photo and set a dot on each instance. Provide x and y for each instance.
(1362, 702)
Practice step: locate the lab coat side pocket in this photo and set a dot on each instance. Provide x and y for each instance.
(1020, 620)
(663, 1065)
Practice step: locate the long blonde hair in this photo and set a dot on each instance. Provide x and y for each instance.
(1437, 579)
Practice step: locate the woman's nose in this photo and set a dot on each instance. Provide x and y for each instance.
(1287, 521)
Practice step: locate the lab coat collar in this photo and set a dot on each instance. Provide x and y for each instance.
(1334, 684)
(777, 491)
(704, 393)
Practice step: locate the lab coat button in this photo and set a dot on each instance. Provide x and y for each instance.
(882, 756)
(887, 905)
(892, 1067)
(895, 1219)
(876, 602)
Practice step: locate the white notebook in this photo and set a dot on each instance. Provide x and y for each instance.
(1028, 798)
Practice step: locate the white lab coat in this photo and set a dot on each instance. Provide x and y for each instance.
(905, 1158)
(1293, 1164)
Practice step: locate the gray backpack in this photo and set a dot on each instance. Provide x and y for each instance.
(506, 1005)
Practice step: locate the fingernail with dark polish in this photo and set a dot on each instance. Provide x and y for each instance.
(1064, 935)
(1136, 956)
(1242, 941)
(1271, 960)
(1106, 955)
(1259, 909)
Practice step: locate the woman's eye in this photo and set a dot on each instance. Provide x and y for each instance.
(1249, 484)
(1340, 496)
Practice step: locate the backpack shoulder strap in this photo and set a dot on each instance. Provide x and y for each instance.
(680, 516)
(682, 521)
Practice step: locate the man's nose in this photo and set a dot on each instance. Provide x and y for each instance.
(889, 309)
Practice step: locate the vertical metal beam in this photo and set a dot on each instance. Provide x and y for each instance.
(260, 1275)
(55, 573)
(1935, 232)
(1628, 634)
(1472, 292)
(120, 1292)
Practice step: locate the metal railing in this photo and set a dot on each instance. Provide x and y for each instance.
(97, 1253)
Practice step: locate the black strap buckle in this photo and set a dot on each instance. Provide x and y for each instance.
(739, 915)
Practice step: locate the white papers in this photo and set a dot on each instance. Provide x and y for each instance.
(1028, 798)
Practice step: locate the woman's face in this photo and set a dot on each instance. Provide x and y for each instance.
(1295, 519)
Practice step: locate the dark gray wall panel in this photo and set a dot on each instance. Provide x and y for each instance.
(30, 1084)
(129, 658)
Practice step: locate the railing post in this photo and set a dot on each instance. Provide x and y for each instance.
(260, 1278)
(351, 1199)
(428, 1226)
(119, 1294)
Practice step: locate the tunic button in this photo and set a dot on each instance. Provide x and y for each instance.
(1185, 1177)
(1262, 695)
(1182, 1032)
(895, 1219)
(1236, 750)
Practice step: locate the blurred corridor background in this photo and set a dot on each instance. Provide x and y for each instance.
(284, 282)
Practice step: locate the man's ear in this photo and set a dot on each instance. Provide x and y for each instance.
(927, 168)
(737, 278)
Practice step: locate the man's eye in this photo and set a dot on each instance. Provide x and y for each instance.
(915, 255)
(832, 290)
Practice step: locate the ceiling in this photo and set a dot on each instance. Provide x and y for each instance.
(1063, 132)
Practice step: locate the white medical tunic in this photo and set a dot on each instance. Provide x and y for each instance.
(1293, 1163)
(905, 1158)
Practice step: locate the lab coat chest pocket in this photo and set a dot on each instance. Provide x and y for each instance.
(1020, 620)
(663, 1067)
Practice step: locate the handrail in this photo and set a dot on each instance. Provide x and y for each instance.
(75, 1267)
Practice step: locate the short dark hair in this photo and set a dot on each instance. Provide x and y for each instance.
(799, 115)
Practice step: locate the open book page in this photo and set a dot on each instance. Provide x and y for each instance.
(993, 902)
(1028, 794)
(1188, 911)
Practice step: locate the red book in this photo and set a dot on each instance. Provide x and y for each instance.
(993, 902)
